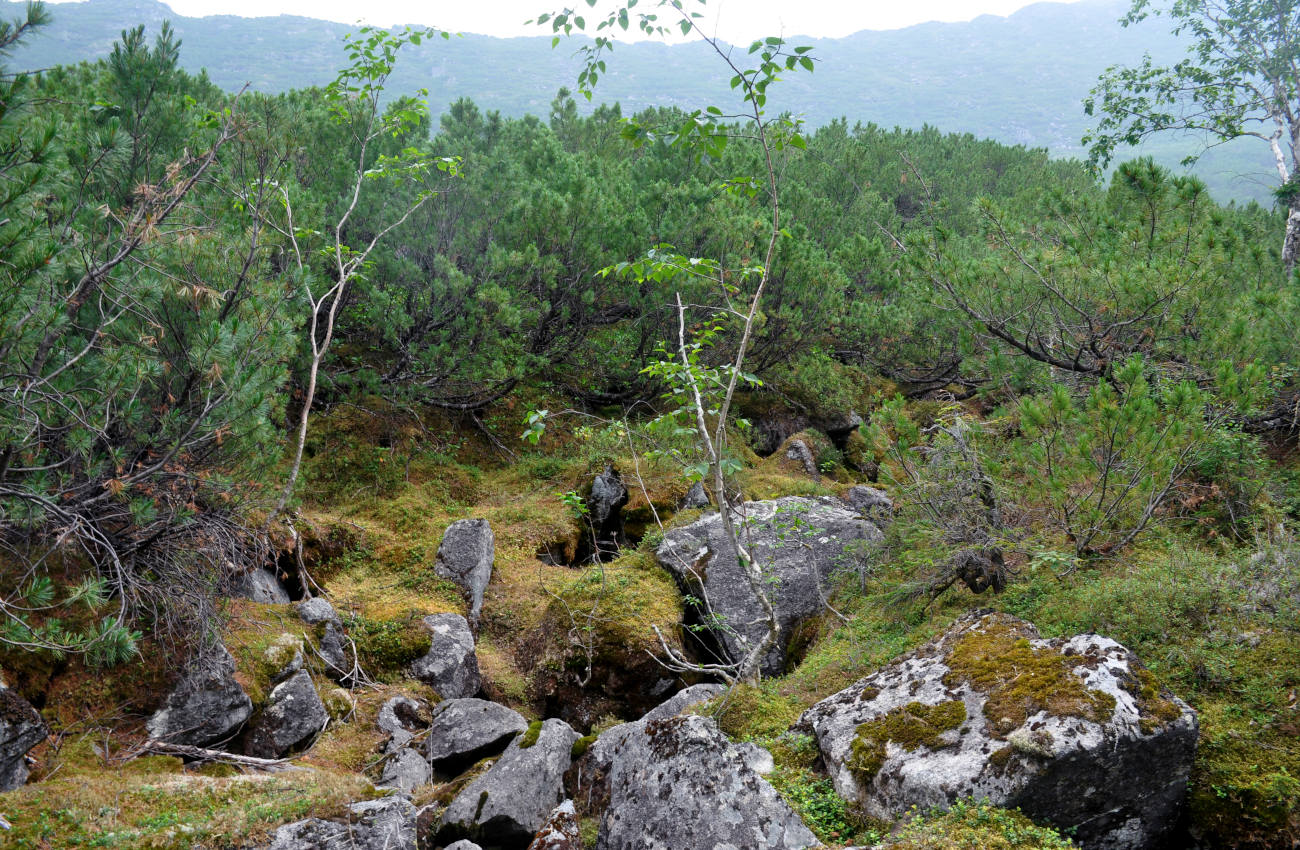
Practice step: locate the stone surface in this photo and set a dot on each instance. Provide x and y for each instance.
(1073, 732)
(384, 824)
(260, 585)
(560, 832)
(293, 714)
(331, 643)
(205, 707)
(400, 718)
(797, 542)
(463, 844)
(509, 803)
(680, 783)
(405, 770)
(696, 497)
(465, 557)
(283, 657)
(466, 730)
(798, 451)
(684, 699)
(21, 728)
(873, 504)
(450, 666)
(605, 512)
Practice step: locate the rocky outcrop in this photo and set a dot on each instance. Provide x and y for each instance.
(679, 782)
(560, 832)
(318, 613)
(509, 803)
(21, 728)
(1073, 732)
(450, 666)
(206, 706)
(466, 730)
(798, 543)
(465, 557)
(292, 716)
(385, 824)
(605, 511)
(262, 586)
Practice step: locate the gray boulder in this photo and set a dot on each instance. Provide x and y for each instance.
(463, 844)
(680, 783)
(466, 730)
(384, 824)
(798, 543)
(682, 700)
(405, 770)
(798, 451)
(283, 657)
(873, 504)
(560, 832)
(21, 728)
(465, 557)
(605, 511)
(696, 497)
(318, 613)
(450, 666)
(293, 714)
(511, 801)
(400, 718)
(206, 706)
(1073, 732)
(262, 586)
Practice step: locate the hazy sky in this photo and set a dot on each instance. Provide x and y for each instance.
(736, 20)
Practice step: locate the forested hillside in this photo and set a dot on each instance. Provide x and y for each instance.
(631, 477)
(1019, 80)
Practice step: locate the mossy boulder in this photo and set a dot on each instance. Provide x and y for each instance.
(1074, 732)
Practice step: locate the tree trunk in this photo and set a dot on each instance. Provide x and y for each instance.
(1291, 243)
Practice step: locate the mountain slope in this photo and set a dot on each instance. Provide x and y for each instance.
(1018, 79)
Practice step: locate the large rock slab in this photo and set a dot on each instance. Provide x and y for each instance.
(206, 706)
(465, 557)
(450, 666)
(509, 803)
(679, 783)
(318, 613)
(292, 716)
(466, 730)
(385, 824)
(1074, 732)
(21, 728)
(797, 543)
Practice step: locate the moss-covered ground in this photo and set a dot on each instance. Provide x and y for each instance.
(1216, 624)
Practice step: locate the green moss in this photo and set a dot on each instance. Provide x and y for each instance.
(1154, 709)
(387, 647)
(581, 746)
(911, 726)
(530, 735)
(1021, 680)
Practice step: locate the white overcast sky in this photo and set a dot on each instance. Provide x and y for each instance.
(735, 20)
